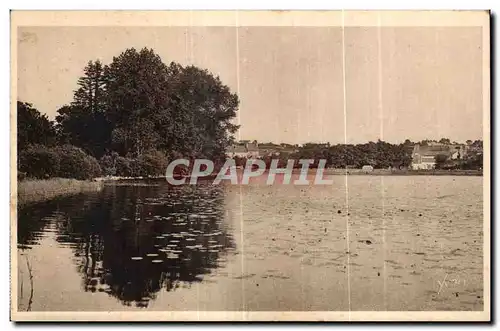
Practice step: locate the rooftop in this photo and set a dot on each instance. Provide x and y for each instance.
(243, 148)
(433, 150)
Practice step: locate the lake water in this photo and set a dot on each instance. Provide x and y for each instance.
(363, 243)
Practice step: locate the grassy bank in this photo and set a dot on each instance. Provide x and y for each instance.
(40, 190)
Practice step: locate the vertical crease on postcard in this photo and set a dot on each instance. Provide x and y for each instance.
(381, 119)
(346, 181)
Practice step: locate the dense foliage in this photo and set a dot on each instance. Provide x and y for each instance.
(133, 115)
(379, 155)
(39, 161)
(473, 161)
(33, 127)
(151, 163)
(137, 104)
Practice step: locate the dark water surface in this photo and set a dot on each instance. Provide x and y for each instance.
(363, 243)
(130, 242)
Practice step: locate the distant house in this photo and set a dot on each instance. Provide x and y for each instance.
(367, 168)
(424, 156)
(269, 152)
(458, 151)
(243, 149)
(272, 150)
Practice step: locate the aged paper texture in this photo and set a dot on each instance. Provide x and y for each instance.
(250, 166)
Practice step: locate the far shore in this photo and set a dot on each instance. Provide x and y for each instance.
(38, 190)
(397, 172)
(327, 171)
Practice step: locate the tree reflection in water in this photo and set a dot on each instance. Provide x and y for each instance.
(132, 241)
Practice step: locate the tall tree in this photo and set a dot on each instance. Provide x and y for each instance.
(207, 109)
(176, 109)
(91, 88)
(78, 126)
(33, 127)
(138, 99)
(137, 104)
(83, 123)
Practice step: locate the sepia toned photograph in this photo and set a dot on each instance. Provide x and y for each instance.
(250, 166)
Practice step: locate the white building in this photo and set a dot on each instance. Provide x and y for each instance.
(424, 156)
(245, 149)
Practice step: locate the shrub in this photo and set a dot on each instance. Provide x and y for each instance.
(75, 163)
(38, 161)
(108, 164)
(152, 163)
(135, 168)
(72, 162)
(123, 167)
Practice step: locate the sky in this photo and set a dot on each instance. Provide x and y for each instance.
(296, 84)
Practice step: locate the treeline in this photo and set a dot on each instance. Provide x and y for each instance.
(128, 118)
(378, 154)
(473, 160)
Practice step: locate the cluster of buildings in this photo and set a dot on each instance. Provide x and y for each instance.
(247, 149)
(424, 156)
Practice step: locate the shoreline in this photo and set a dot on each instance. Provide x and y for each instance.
(386, 172)
(39, 190)
(327, 171)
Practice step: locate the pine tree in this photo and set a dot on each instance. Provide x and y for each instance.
(90, 94)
